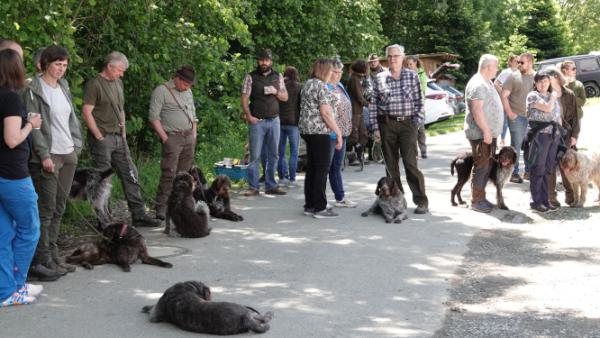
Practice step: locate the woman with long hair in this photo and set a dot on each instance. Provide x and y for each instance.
(19, 219)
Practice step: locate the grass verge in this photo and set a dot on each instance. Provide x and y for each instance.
(454, 123)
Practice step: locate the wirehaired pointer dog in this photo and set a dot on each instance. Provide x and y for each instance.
(94, 186)
(190, 218)
(580, 169)
(502, 167)
(390, 201)
(189, 306)
(216, 196)
(121, 244)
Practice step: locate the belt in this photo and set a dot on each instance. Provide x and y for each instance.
(268, 118)
(387, 118)
(181, 133)
(118, 134)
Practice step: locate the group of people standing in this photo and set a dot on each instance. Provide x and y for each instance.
(388, 103)
(542, 114)
(38, 159)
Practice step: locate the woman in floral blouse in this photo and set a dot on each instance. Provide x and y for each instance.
(343, 118)
(543, 113)
(318, 127)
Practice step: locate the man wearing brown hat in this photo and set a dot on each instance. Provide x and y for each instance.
(261, 92)
(173, 116)
(374, 65)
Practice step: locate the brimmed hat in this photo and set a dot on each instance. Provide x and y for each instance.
(373, 57)
(187, 74)
(264, 54)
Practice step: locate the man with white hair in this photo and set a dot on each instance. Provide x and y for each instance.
(104, 115)
(395, 114)
(483, 123)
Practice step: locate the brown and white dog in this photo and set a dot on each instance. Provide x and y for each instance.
(580, 169)
(95, 187)
(502, 167)
(390, 201)
(216, 196)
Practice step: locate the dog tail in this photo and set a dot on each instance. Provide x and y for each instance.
(452, 164)
(147, 308)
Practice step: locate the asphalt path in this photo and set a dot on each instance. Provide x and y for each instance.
(346, 277)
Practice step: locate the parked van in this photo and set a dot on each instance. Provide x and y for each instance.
(588, 70)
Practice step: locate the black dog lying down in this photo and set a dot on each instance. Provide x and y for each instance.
(188, 305)
(94, 186)
(216, 196)
(390, 201)
(122, 245)
(502, 167)
(190, 218)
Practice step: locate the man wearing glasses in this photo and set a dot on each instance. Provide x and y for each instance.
(395, 113)
(569, 70)
(514, 97)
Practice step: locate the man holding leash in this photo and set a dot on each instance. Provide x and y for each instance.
(104, 115)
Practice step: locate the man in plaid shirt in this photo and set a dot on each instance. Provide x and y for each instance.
(395, 113)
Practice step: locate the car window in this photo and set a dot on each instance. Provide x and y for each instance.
(587, 65)
(434, 86)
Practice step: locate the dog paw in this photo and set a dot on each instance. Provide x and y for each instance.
(388, 221)
(503, 207)
(168, 265)
(88, 266)
(364, 214)
(239, 218)
(397, 220)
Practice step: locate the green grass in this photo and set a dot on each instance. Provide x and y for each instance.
(455, 123)
(592, 100)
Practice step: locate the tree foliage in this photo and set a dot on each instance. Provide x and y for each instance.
(581, 17)
(546, 32)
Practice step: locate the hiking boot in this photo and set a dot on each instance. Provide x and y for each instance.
(65, 266)
(325, 213)
(526, 176)
(53, 266)
(421, 209)
(538, 208)
(251, 192)
(515, 178)
(275, 191)
(488, 203)
(42, 273)
(481, 206)
(146, 221)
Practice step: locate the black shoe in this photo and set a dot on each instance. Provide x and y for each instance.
(146, 221)
(160, 216)
(423, 156)
(538, 208)
(41, 273)
(515, 178)
(552, 206)
(275, 191)
(62, 270)
(421, 209)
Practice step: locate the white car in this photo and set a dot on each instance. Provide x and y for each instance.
(437, 107)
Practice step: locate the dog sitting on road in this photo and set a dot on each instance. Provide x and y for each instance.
(390, 201)
(94, 186)
(216, 196)
(189, 217)
(189, 306)
(580, 169)
(502, 167)
(121, 244)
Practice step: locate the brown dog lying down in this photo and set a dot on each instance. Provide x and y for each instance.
(121, 245)
(216, 196)
(189, 306)
(502, 167)
(190, 218)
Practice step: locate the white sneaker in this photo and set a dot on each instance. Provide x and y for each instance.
(345, 203)
(292, 184)
(31, 290)
(284, 182)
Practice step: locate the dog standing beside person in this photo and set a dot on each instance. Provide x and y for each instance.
(502, 166)
(484, 119)
(173, 117)
(580, 169)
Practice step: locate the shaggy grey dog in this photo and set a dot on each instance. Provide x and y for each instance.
(190, 218)
(390, 201)
(94, 186)
(189, 306)
(580, 169)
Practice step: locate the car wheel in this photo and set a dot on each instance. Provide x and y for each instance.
(591, 89)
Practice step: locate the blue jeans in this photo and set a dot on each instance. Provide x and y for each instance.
(293, 134)
(335, 171)
(263, 132)
(518, 128)
(504, 127)
(19, 232)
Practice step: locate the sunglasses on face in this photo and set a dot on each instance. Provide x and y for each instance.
(521, 62)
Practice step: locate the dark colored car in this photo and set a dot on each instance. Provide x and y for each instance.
(588, 70)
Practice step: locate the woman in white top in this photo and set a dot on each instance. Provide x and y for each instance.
(54, 156)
